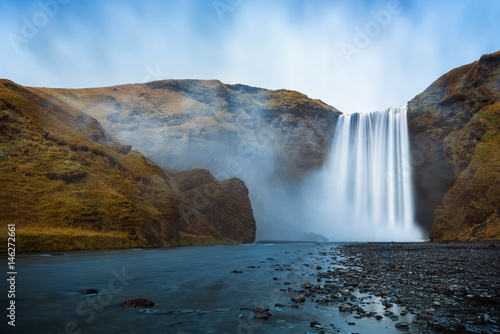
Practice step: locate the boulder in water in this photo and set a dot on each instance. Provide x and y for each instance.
(90, 292)
(137, 303)
(261, 312)
(299, 299)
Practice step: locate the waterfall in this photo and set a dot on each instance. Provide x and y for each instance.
(366, 184)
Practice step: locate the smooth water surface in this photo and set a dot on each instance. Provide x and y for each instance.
(194, 290)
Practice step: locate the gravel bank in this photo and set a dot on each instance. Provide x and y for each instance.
(446, 287)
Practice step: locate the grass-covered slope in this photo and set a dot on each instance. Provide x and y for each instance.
(471, 208)
(454, 126)
(67, 184)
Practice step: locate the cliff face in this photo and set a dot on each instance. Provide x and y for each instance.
(269, 139)
(454, 127)
(214, 208)
(193, 123)
(68, 184)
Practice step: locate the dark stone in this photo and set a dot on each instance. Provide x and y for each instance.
(261, 312)
(137, 303)
(402, 325)
(90, 292)
(315, 324)
(345, 308)
(261, 316)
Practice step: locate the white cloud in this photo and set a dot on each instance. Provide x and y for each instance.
(278, 45)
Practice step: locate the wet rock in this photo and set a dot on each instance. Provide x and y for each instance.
(420, 322)
(346, 292)
(137, 303)
(402, 325)
(261, 316)
(387, 304)
(445, 285)
(315, 324)
(345, 307)
(90, 292)
(261, 312)
(237, 271)
(298, 299)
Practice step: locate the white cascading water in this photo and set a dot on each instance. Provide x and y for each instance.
(367, 185)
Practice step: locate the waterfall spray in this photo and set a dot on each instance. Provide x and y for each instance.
(366, 184)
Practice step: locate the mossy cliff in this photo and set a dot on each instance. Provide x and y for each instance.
(68, 184)
(271, 139)
(454, 127)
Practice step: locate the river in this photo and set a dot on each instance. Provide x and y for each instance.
(194, 290)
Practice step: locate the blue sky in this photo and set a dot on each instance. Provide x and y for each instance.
(355, 55)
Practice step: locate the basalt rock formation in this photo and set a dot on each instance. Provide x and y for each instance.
(455, 141)
(68, 184)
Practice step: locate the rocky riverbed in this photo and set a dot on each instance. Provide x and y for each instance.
(451, 288)
(289, 288)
